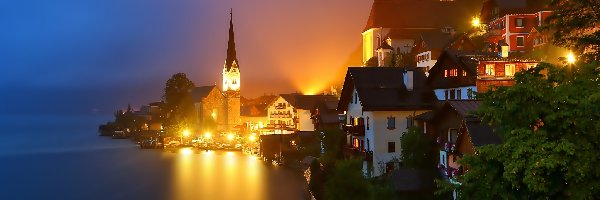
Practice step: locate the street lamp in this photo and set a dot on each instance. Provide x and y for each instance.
(207, 135)
(230, 137)
(475, 22)
(186, 133)
(252, 138)
(571, 58)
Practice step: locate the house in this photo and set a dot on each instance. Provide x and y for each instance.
(379, 104)
(254, 114)
(459, 74)
(457, 132)
(401, 21)
(289, 113)
(430, 45)
(210, 109)
(512, 21)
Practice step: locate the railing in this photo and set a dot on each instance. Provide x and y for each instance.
(357, 130)
(354, 152)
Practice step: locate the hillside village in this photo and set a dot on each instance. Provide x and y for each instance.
(424, 66)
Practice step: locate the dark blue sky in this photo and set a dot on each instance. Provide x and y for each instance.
(85, 56)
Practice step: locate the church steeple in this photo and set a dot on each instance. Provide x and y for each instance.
(231, 54)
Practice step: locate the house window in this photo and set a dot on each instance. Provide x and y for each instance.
(464, 73)
(445, 73)
(519, 22)
(509, 70)
(391, 123)
(470, 93)
(446, 94)
(355, 98)
(409, 122)
(458, 94)
(452, 135)
(520, 41)
(454, 72)
(391, 147)
(452, 94)
(489, 70)
(368, 124)
(529, 66)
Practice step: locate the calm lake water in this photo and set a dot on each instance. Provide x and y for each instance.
(62, 157)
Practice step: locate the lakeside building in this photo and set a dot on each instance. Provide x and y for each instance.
(513, 22)
(216, 109)
(290, 113)
(399, 22)
(459, 74)
(379, 105)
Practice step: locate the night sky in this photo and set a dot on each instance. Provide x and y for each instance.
(95, 56)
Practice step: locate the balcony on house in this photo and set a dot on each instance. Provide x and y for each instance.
(357, 152)
(356, 130)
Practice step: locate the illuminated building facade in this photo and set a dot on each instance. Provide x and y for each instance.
(231, 83)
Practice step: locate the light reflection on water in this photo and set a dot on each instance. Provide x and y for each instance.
(202, 174)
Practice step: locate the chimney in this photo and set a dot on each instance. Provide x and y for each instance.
(408, 80)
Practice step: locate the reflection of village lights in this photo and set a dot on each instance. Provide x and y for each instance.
(570, 58)
(186, 151)
(207, 135)
(186, 133)
(230, 136)
(214, 115)
(475, 22)
(261, 125)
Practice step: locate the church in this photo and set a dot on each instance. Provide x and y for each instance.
(218, 111)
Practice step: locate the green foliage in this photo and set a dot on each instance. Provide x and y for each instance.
(572, 23)
(179, 105)
(347, 182)
(550, 130)
(333, 142)
(127, 120)
(317, 179)
(417, 150)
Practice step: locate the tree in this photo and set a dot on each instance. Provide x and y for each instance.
(347, 182)
(333, 142)
(179, 105)
(417, 150)
(550, 130)
(573, 24)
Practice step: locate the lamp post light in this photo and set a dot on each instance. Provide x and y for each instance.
(475, 22)
(571, 58)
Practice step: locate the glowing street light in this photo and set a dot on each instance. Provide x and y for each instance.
(252, 138)
(571, 58)
(186, 133)
(475, 22)
(207, 135)
(230, 137)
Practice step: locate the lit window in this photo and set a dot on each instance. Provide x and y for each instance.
(529, 66)
(391, 123)
(445, 73)
(509, 70)
(454, 72)
(489, 70)
(464, 73)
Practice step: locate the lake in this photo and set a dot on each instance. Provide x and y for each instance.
(62, 157)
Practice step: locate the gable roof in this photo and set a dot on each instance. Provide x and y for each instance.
(199, 93)
(382, 88)
(506, 7)
(306, 102)
(481, 134)
(418, 13)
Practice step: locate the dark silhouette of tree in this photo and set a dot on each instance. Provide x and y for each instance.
(417, 150)
(574, 26)
(179, 105)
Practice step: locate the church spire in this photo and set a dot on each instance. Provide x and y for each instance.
(231, 57)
